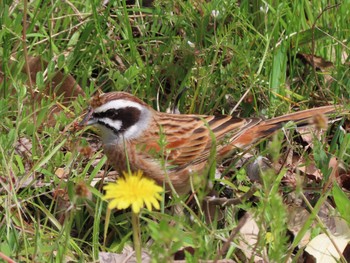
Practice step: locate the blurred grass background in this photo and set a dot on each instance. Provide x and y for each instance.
(266, 57)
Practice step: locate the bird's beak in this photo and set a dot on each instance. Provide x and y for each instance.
(88, 118)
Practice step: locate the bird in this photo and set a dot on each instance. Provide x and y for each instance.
(170, 148)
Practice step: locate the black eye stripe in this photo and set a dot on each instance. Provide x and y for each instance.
(110, 114)
(128, 117)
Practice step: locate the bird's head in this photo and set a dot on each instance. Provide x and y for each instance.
(118, 114)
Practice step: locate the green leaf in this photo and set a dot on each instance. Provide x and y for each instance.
(20, 164)
(74, 39)
(321, 158)
(278, 73)
(61, 61)
(51, 152)
(40, 79)
(342, 202)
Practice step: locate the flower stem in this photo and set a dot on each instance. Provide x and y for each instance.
(136, 235)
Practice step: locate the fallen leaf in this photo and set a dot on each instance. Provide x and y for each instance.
(323, 250)
(297, 216)
(344, 180)
(60, 173)
(315, 61)
(249, 236)
(310, 170)
(309, 134)
(128, 255)
(318, 63)
(60, 85)
(322, 247)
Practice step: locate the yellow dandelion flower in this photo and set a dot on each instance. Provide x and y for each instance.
(133, 190)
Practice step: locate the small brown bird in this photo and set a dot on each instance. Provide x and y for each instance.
(174, 146)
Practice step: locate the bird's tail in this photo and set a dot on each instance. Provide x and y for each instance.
(265, 128)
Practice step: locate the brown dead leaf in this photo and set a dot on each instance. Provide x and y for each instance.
(309, 169)
(339, 173)
(180, 255)
(318, 63)
(337, 238)
(23, 148)
(327, 248)
(344, 180)
(86, 151)
(297, 216)
(249, 236)
(127, 255)
(61, 85)
(309, 133)
(315, 61)
(82, 190)
(61, 173)
(328, 218)
(334, 165)
(60, 195)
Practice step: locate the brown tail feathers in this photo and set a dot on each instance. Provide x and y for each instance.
(267, 127)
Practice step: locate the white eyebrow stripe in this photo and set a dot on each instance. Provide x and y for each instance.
(117, 104)
(116, 124)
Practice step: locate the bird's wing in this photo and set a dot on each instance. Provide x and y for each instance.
(188, 139)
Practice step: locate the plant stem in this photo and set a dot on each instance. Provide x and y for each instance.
(136, 234)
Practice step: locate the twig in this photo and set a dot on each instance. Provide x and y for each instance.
(25, 51)
(26, 59)
(234, 232)
(231, 201)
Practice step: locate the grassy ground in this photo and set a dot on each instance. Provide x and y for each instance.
(254, 54)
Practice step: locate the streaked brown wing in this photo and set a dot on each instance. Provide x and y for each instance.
(188, 138)
(225, 129)
(185, 137)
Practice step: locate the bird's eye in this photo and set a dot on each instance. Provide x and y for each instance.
(114, 115)
(111, 114)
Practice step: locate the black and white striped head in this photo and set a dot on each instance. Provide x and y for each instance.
(118, 115)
